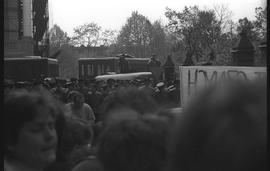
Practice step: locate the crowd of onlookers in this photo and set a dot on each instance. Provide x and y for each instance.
(95, 91)
(126, 126)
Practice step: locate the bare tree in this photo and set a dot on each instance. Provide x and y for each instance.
(260, 24)
(197, 30)
(57, 37)
(223, 15)
(135, 36)
(86, 35)
(108, 37)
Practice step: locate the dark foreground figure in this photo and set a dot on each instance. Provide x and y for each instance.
(223, 128)
(30, 134)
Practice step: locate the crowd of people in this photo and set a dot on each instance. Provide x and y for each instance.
(125, 126)
(94, 92)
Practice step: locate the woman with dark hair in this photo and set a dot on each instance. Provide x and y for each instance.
(134, 145)
(79, 110)
(30, 134)
(127, 103)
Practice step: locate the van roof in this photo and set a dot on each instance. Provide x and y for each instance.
(127, 76)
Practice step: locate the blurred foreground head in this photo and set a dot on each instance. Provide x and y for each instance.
(30, 134)
(223, 128)
(134, 145)
(127, 103)
(76, 135)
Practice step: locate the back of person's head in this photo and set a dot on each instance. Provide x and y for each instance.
(73, 144)
(134, 145)
(128, 101)
(76, 96)
(76, 134)
(223, 128)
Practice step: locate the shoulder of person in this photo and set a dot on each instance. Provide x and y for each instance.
(89, 93)
(98, 93)
(85, 105)
(86, 164)
(68, 104)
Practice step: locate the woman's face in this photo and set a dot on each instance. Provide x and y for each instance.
(78, 100)
(37, 140)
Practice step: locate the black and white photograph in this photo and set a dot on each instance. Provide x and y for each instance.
(135, 85)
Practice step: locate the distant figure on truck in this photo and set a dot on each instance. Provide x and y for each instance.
(123, 65)
(153, 66)
(153, 62)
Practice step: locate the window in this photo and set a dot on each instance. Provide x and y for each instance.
(102, 69)
(89, 70)
(98, 70)
(20, 18)
(82, 71)
(92, 69)
(107, 68)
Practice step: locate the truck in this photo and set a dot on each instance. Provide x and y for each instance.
(29, 68)
(92, 67)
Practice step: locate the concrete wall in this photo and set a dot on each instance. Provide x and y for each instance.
(13, 45)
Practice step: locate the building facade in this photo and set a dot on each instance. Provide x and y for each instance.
(19, 30)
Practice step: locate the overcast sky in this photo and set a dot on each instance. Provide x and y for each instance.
(112, 14)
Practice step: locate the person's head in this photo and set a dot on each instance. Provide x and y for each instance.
(45, 85)
(29, 121)
(81, 82)
(146, 82)
(134, 145)
(110, 81)
(69, 85)
(223, 128)
(153, 57)
(52, 82)
(94, 88)
(161, 86)
(59, 83)
(75, 135)
(77, 98)
(104, 87)
(74, 80)
(127, 103)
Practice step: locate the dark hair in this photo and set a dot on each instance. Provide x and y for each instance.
(132, 98)
(223, 128)
(20, 106)
(134, 145)
(75, 134)
(74, 94)
(88, 164)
